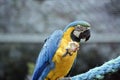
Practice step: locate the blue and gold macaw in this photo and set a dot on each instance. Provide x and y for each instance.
(59, 51)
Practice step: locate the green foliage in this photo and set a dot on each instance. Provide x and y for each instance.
(31, 68)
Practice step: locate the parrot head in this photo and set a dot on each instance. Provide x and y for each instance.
(81, 30)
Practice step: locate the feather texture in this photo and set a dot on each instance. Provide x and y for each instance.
(44, 62)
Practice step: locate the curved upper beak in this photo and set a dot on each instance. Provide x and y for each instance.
(85, 35)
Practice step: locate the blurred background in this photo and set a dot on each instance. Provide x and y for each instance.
(25, 24)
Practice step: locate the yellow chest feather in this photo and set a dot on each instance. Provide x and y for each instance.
(62, 64)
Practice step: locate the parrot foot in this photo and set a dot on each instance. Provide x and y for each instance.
(67, 52)
(71, 48)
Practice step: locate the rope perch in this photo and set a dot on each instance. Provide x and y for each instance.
(98, 73)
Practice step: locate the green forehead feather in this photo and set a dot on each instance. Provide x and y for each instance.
(75, 23)
(84, 24)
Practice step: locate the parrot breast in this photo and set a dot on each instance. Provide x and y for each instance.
(62, 64)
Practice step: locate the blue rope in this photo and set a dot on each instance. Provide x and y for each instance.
(98, 73)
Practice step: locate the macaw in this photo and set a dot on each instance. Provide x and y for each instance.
(59, 51)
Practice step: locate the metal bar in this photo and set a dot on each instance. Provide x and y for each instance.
(38, 38)
(21, 38)
(105, 38)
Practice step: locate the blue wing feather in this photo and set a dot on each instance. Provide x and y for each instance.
(44, 62)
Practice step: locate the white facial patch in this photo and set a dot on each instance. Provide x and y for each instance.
(76, 33)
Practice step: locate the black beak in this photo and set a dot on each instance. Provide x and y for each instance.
(85, 35)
